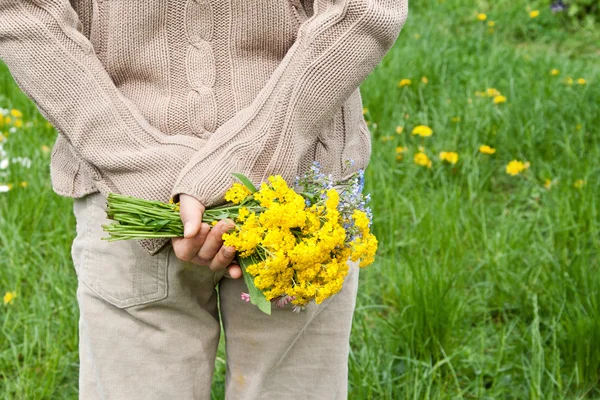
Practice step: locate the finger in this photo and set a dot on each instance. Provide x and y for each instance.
(214, 240)
(190, 211)
(234, 271)
(223, 258)
(187, 249)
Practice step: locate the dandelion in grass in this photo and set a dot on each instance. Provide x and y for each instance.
(534, 13)
(421, 158)
(579, 183)
(422, 130)
(481, 16)
(399, 130)
(365, 110)
(387, 138)
(16, 113)
(9, 297)
(548, 183)
(455, 119)
(569, 81)
(492, 92)
(45, 148)
(485, 149)
(554, 72)
(581, 81)
(399, 152)
(404, 82)
(515, 167)
(424, 80)
(499, 99)
(449, 156)
(491, 24)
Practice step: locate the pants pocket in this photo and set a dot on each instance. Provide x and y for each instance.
(120, 272)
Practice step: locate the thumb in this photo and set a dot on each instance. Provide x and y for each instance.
(190, 211)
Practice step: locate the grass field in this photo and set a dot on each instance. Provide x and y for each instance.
(486, 284)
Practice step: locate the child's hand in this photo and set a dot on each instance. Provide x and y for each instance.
(202, 245)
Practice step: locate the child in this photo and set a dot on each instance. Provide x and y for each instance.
(164, 100)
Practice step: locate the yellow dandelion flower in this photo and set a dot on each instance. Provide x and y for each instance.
(569, 81)
(7, 120)
(23, 184)
(421, 158)
(399, 129)
(534, 13)
(421, 148)
(424, 80)
(547, 183)
(399, 157)
(492, 92)
(9, 297)
(554, 72)
(485, 149)
(400, 149)
(365, 110)
(499, 99)
(515, 167)
(491, 24)
(18, 123)
(16, 113)
(422, 130)
(449, 156)
(579, 183)
(481, 16)
(581, 81)
(404, 82)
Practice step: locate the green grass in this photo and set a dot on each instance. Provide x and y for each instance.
(486, 285)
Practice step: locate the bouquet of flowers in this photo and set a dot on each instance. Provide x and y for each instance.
(293, 246)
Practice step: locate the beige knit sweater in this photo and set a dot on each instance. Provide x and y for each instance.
(155, 98)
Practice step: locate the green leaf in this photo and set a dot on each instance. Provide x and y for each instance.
(244, 179)
(257, 297)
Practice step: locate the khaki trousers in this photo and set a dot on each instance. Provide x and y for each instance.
(149, 327)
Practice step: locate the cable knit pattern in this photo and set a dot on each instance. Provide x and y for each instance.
(200, 67)
(162, 97)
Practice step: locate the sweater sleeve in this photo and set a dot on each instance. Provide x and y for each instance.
(55, 65)
(335, 50)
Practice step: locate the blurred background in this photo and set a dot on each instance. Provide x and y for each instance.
(485, 124)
